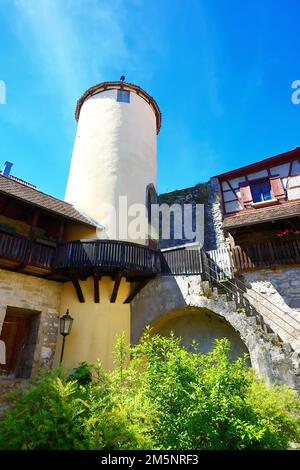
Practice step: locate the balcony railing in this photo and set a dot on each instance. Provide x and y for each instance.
(103, 255)
(182, 260)
(13, 247)
(110, 256)
(107, 255)
(23, 250)
(266, 254)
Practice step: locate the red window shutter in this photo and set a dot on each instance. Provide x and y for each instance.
(246, 194)
(277, 187)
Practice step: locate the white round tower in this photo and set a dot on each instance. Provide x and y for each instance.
(114, 154)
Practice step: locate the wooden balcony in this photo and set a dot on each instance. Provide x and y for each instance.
(265, 254)
(86, 257)
(77, 260)
(17, 252)
(106, 257)
(136, 262)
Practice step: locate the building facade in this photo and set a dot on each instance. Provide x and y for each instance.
(75, 254)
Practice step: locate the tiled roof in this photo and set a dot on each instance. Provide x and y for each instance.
(266, 214)
(34, 197)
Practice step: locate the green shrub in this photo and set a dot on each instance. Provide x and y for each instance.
(163, 398)
(81, 374)
(208, 402)
(47, 416)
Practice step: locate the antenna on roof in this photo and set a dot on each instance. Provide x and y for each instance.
(122, 78)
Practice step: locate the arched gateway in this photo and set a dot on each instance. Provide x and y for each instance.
(186, 305)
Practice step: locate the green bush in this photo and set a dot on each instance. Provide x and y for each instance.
(47, 416)
(82, 374)
(163, 398)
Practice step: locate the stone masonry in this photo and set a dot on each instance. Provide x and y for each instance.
(208, 195)
(275, 294)
(273, 359)
(31, 293)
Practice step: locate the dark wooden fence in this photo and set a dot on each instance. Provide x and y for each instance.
(108, 255)
(24, 250)
(111, 255)
(41, 255)
(266, 254)
(13, 247)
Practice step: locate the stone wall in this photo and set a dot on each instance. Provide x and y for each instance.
(214, 219)
(208, 195)
(281, 285)
(275, 361)
(275, 294)
(31, 293)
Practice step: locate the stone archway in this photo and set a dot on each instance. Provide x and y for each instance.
(274, 361)
(202, 326)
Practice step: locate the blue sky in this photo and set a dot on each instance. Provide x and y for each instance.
(221, 72)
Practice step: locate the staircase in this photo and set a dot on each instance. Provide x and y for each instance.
(275, 324)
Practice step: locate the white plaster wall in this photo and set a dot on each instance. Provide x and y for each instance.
(233, 206)
(293, 187)
(258, 174)
(114, 155)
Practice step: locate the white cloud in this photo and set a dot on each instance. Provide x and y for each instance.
(71, 43)
(51, 41)
(77, 43)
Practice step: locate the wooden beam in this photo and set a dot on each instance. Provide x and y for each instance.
(34, 223)
(116, 287)
(3, 204)
(61, 231)
(78, 289)
(19, 267)
(136, 290)
(96, 287)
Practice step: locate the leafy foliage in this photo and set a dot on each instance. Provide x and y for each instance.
(163, 398)
(47, 416)
(82, 374)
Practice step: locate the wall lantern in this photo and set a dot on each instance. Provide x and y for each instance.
(65, 325)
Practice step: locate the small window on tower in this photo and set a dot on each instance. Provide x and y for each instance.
(123, 96)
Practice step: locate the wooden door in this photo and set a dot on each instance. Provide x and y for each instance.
(13, 334)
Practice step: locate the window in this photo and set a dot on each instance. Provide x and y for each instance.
(151, 198)
(261, 191)
(123, 96)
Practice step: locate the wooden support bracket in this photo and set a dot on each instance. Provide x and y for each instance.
(117, 283)
(77, 287)
(96, 287)
(136, 290)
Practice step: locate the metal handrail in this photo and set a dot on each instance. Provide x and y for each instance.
(242, 292)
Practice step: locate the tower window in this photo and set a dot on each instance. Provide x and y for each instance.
(123, 96)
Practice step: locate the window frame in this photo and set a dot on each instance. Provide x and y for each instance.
(260, 186)
(121, 94)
